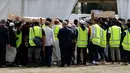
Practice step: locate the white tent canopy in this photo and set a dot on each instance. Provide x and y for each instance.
(50, 8)
(37, 8)
(123, 8)
(10, 6)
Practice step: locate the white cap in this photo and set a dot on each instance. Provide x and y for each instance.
(69, 25)
(11, 24)
(82, 22)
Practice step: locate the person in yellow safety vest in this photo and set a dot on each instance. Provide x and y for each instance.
(33, 49)
(18, 44)
(114, 41)
(56, 30)
(103, 42)
(125, 44)
(56, 57)
(82, 41)
(19, 36)
(94, 42)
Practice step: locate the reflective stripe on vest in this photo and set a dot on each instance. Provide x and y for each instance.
(82, 37)
(19, 41)
(103, 38)
(56, 30)
(96, 37)
(35, 31)
(31, 37)
(126, 41)
(115, 36)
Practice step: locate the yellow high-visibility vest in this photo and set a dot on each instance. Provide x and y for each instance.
(95, 38)
(126, 41)
(19, 40)
(56, 31)
(103, 40)
(82, 37)
(115, 36)
(43, 26)
(35, 31)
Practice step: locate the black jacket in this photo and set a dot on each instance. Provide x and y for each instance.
(12, 37)
(65, 37)
(4, 35)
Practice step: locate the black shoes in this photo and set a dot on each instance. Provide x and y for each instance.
(62, 66)
(3, 66)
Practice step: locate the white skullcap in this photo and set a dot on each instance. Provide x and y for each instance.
(69, 25)
(11, 24)
(82, 22)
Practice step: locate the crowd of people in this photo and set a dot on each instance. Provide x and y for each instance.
(62, 43)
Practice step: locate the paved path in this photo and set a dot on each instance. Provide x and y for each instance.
(82, 69)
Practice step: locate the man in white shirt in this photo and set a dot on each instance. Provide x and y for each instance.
(48, 44)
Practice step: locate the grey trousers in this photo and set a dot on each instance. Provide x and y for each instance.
(10, 54)
(113, 51)
(35, 51)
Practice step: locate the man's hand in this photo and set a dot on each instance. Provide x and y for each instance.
(8, 45)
